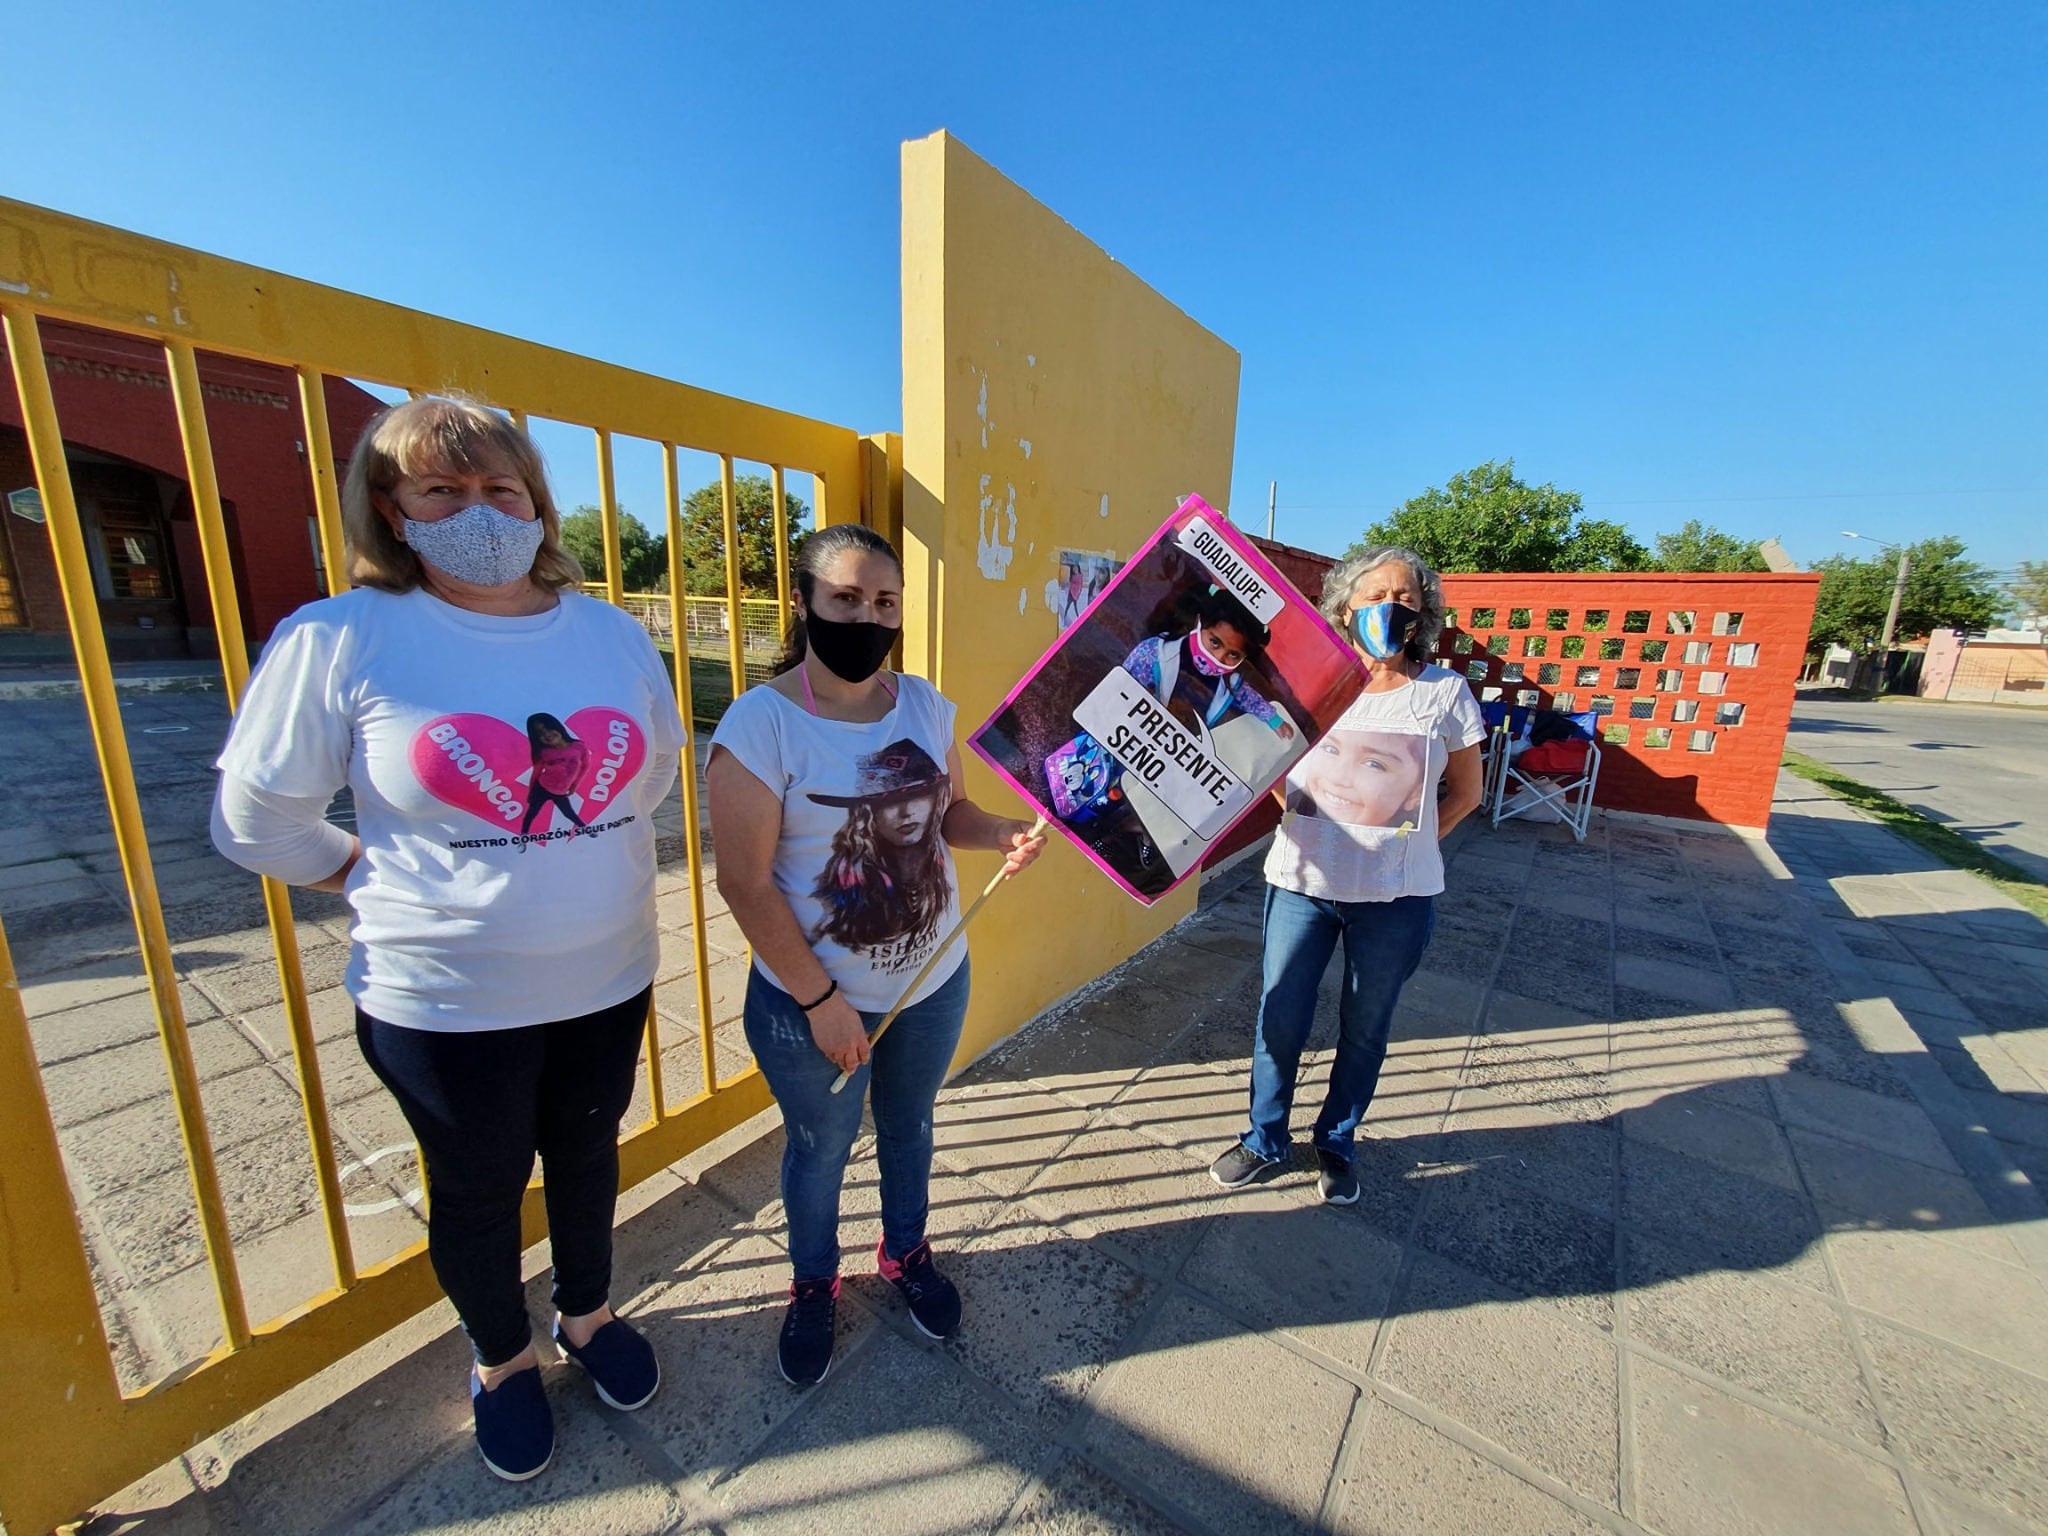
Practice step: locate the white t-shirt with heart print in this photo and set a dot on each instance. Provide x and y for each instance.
(505, 773)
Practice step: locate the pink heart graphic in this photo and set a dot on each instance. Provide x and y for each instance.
(482, 765)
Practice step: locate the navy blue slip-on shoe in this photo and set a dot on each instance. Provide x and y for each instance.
(619, 1363)
(515, 1432)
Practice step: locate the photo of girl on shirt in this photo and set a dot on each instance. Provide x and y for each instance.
(558, 763)
(1362, 778)
(885, 884)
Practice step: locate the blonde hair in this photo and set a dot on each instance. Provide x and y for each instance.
(440, 434)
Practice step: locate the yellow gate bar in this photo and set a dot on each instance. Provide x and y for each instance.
(58, 1389)
(103, 708)
(608, 518)
(735, 635)
(782, 609)
(693, 840)
(320, 464)
(94, 274)
(190, 399)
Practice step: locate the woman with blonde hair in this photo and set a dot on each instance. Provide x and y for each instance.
(501, 999)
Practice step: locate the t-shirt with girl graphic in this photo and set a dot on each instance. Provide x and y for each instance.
(860, 859)
(1361, 820)
(505, 771)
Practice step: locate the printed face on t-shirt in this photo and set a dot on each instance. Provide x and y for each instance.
(1363, 778)
(904, 823)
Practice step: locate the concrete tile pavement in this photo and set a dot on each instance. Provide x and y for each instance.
(1674, 1222)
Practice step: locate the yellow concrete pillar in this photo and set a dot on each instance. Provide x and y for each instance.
(1051, 401)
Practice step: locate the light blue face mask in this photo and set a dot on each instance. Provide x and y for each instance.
(1383, 628)
(479, 544)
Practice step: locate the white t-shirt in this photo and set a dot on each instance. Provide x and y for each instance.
(474, 746)
(1361, 804)
(860, 860)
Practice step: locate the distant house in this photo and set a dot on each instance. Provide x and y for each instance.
(127, 466)
(2003, 666)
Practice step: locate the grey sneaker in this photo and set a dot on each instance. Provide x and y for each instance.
(1335, 1181)
(1240, 1165)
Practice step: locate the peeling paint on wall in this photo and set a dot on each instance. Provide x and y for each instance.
(981, 406)
(1025, 444)
(1103, 511)
(997, 544)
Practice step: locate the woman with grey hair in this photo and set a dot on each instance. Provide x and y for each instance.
(1356, 859)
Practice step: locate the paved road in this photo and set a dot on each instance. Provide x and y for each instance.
(1981, 769)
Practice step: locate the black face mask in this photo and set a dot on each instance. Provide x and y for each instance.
(854, 651)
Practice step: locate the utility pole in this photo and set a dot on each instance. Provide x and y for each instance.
(1272, 500)
(1891, 618)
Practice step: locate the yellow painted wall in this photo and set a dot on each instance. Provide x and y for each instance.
(1050, 401)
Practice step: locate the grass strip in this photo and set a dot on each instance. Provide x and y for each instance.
(1952, 848)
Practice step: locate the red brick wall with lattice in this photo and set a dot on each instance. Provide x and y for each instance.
(1705, 709)
(1691, 675)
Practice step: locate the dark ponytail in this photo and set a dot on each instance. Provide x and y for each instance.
(818, 550)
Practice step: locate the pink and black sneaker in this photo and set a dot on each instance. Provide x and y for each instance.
(934, 1303)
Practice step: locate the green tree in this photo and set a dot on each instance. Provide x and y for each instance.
(1944, 589)
(1487, 520)
(1700, 546)
(703, 540)
(643, 557)
(2029, 589)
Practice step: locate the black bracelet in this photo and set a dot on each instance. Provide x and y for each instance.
(823, 997)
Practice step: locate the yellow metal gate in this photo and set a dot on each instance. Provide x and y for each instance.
(73, 1434)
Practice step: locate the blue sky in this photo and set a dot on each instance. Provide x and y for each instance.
(1777, 267)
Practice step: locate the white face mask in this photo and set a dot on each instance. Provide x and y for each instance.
(479, 544)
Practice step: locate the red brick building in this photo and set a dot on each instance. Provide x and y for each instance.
(127, 465)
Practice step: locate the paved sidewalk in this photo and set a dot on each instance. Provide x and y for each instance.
(1672, 1223)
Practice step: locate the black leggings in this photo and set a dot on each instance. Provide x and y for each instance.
(481, 1105)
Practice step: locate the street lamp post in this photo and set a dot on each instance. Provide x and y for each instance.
(1891, 617)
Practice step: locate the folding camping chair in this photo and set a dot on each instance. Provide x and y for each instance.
(1504, 725)
(1516, 791)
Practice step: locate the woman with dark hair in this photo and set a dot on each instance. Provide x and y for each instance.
(558, 763)
(835, 800)
(1356, 861)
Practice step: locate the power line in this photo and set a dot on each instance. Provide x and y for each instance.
(1704, 501)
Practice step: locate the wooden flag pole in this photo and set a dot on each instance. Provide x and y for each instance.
(1037, 830)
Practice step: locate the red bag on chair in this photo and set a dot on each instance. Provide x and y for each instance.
(1556, 758)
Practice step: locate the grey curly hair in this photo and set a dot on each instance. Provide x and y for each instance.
(1337, 585)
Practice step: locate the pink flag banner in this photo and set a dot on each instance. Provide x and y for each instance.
(1189, 686)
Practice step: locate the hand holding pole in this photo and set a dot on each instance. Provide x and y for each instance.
(1037, 830)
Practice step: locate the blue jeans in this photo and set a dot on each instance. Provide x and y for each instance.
(1383, 943)
(903, 1078)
